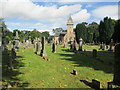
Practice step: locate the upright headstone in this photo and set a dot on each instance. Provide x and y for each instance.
(10, 63)
(74, 45)
(116, 79)
(94, 53)
(36, 48)
(65, 44)
(74, 72)
(95, 84)
(54, 48)
(39, 44)
(106, 46)
(42, 53)
(16, 42)
(4, 47)
(103, 46)
(71, 45)
(13, 54)
(80, 44)
(111, 45)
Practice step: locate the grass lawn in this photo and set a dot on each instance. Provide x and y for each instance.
(31, 71)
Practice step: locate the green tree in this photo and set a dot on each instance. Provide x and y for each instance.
(81, 31)
(116, 34)
(58, 30)
(92, 32)
(106, 30)
(46, 34)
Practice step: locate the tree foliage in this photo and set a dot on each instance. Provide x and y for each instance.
(81, 31)
(116, 34)
(106, 30)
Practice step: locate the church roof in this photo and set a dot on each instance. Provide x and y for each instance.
(57, 34)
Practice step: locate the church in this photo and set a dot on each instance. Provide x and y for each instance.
(65, 37)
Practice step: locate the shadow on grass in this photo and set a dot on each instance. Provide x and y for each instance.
(85, 59)
(9, 76)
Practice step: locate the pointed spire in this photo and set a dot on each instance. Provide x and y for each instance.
(70, 20)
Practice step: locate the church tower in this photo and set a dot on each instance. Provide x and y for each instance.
(70, 25)
(70, 35)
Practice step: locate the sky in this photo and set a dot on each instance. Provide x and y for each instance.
(45, 15)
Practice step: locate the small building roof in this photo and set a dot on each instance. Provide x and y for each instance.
(57, 34)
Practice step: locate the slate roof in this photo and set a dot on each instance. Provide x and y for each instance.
(57, 34)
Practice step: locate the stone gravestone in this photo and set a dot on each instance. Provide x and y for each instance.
(74, 72)
(111, 45)
(74, 45)
(42, 53)
(4, 47)
(65, 44)
(103, 46)
(106, 46)
(80, 44)
(16, 42)
(95, 84)
(54, 48)
(36, 48)
(35, 41)
(10, 63)
(13, 54)
(117, 65)
(116, 78)
(39, 44)
(71, 45)
(94, 53)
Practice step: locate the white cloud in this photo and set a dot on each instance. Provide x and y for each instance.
(81, 16)
(48, 17)
(103, 11)
(25, 9)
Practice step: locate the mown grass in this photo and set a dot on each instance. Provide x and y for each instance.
(56, 73)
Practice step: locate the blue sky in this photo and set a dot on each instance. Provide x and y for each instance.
(45, 16)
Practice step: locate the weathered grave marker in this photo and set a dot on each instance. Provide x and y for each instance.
(80, 44)
(43, 48)
(95, 84)
(16, 42)
(13, 54)
(117, 65)
(54, 48)
(36, 48)
(94, 53)
(71, 45)
(116, 79)
(10, 64)
(74, 72)
(74, 45)
(111, 45)
(103, 47)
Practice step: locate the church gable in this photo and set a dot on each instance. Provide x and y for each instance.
(65, 37)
